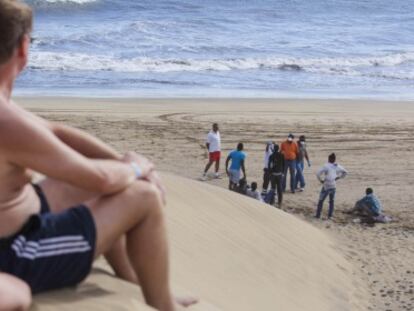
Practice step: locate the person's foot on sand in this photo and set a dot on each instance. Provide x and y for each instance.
(185, 301)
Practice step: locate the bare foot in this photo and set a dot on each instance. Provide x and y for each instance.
(185, 301)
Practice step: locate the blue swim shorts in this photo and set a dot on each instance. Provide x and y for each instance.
(52, 250)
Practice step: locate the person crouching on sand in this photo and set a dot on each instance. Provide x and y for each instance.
(93, 201)
(328, 175)
(237, 158)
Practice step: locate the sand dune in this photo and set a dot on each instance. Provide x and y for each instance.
(236, 254)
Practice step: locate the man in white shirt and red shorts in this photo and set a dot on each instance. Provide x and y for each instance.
(213, 145)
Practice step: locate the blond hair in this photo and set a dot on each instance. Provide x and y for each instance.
(15, 22)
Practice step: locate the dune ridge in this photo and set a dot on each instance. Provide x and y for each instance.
(235, 253)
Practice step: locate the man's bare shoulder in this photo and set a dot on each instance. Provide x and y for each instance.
(14, 120)
(10, 111)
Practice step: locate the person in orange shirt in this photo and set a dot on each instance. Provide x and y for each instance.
(290, 151)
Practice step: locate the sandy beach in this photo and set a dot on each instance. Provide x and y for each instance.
(373, 140)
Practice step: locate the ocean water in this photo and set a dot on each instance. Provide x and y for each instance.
(262, 48)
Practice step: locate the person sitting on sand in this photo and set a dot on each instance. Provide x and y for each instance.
(93, 200)
(237, 158)
(242, 186)
(369, 208)
(328, 175)
(213, 145)
(253, 192)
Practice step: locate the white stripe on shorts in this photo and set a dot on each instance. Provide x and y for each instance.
(50, 247)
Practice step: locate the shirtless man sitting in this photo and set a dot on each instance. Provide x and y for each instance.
(93, 200)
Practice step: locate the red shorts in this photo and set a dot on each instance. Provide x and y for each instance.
(214, 156)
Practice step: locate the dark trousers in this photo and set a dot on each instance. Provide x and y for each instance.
(266, 178)
(276, 184)
(291, 166)
(322, 196)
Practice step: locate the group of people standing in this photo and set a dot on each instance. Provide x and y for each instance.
(289, 157)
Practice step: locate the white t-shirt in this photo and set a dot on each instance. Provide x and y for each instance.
(213, 138)
(331, 172)
(267, 156)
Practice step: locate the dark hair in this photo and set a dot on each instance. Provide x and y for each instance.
(369, 191)
(240, 146)
(254, 185)
(332, 158)
(15, 21)
(302, 138)
(275, 148)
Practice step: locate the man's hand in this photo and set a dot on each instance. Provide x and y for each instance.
(148, 170)
(309, 164)
(155, 179)
(144, 164)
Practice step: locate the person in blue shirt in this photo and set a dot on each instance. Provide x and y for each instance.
(369, 206)
(237, 158)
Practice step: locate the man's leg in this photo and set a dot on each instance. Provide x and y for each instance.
(279, 191)
(137, 211)
(14, 293)
(322, 197)
(331, 202)
(266, 179)
(61, 196)
(111, 239)
(300, 180)
(217, 165)
(292, 172)
(210, 162)
(273, 189)
(285, 175)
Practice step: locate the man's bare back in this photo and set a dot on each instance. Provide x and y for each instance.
(18, 199)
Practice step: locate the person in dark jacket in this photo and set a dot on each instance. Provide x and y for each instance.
(276, 168)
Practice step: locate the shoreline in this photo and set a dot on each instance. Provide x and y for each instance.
(207, 98)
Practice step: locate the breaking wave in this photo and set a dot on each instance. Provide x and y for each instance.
(355, 66)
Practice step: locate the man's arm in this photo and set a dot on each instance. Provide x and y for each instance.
(88, 145)
(227, 164)
(208, 142)
(29, 144)
(319, 174)
(307, 158)
(243, 168)
(82, 142)
(14, 294)
(341, 172)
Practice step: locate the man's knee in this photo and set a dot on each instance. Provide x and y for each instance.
(148, 195)
(19, 296)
